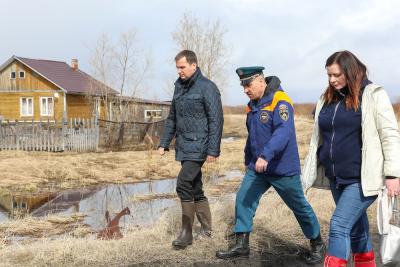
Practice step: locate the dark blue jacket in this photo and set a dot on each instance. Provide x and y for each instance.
(195, 119)
(271, 132)
(340, 128)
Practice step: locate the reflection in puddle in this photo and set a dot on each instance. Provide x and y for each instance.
(147, 201)
(94, 201)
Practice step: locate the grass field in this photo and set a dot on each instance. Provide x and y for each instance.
(276, 232)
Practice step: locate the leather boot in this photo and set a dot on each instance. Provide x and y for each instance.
(331, 261)
(240, 249)
(365, 259)
(203, 214)
(317, 251)
(185, 237)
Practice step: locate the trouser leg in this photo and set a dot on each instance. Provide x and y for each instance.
(291, 191)
(247, 199)
(346, 220)
(186, 180)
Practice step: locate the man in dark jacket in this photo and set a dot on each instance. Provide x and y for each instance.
(271, 160)
(196, 121)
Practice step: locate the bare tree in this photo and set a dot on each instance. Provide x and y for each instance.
(206, 39)
(122, 65)
(101, 62)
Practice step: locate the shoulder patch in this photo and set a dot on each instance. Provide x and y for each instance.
(264, 116)
(284, 112)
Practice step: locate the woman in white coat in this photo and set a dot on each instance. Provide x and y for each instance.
(355, 151)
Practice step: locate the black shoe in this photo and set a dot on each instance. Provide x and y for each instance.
(317, 251)
(240, 249)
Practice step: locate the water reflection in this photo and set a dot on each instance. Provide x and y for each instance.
(94, 201)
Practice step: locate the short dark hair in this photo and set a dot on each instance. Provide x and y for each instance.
(189, 55)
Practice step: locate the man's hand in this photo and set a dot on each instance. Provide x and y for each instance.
(261, 165)
(211, 158)
(393, 187)
(161, 151)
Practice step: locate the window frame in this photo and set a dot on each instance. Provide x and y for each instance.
(11, 75)
(47, 103)
(152, 110)
(21, 109)
(19, 74)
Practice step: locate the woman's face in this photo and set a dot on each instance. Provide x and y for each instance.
(336, 77)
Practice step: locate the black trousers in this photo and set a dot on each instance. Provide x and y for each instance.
(189, 185)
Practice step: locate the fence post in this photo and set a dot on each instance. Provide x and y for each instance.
(16, 135)
(63, 132)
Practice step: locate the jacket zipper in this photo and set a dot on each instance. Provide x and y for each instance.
(333, 136)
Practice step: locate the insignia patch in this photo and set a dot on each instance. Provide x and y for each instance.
(283, 112)
(264, 117)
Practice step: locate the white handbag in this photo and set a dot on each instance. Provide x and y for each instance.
(390, 233)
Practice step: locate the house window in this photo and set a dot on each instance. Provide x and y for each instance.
(26, 104)
(46, 106)
(13, 75)
(155, 114)
(22, 74)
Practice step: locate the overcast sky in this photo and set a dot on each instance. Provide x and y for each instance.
(292, 39)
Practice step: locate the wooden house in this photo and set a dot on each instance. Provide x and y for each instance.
(133, 109)
(35, 89)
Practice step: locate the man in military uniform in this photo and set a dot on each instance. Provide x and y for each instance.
(271, 159)
(195, 119)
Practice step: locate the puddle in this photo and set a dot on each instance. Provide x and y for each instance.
(232, 175)
(147, 201)
(229, 139)
(94, 201)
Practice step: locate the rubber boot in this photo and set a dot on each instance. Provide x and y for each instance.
(203, 214)
(185, 237)
(317, 251)
(240, 249)
(365, 259)
(331, 261)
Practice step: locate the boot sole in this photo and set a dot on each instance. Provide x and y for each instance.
(236, 257)
(180, 247)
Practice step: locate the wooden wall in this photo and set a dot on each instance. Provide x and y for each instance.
(10, 105)
(135, 111)
(32, 81)
(79, 106)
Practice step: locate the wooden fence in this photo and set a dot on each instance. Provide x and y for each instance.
(130, 135)
(76, 135)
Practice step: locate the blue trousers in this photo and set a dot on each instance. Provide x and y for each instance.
(349, 229)
(254, 185)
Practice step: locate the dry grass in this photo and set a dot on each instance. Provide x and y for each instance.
(276, 231)
(274, 224)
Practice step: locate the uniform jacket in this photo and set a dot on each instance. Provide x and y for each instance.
(380, 144)
(271, 132)
(195, 119)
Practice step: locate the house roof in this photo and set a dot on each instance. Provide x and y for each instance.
(64, 76)
(144, 101)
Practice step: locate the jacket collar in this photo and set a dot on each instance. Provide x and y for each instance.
(186, 84)
(273, 85)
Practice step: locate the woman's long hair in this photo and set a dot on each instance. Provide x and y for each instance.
(354, 71)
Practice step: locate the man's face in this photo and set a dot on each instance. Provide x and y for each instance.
(184, 69)
(255, 89)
